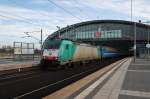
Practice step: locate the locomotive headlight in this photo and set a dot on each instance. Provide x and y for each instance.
(50, 53)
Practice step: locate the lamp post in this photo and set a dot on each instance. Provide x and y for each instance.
(131, 8)
(148, 45)
(68, 36)
(135, 46)
(134, 41)
(41, 41)
(148, 41)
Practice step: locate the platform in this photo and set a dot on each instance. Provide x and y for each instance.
(8, 64)
(127, 80)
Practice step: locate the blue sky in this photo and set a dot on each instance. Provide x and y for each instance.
(19, 16)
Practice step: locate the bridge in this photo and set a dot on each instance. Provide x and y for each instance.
(118, 34)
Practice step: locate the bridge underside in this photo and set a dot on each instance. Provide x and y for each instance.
(124, 46)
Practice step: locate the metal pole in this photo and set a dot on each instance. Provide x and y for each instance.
(131, 9)
(134, 41)
(75, 36)
(41, 41)
(67, 32)
(33, 50)
(74, 31)
(21, 57)
(148, 40)
(14, 51)
(58, 32)
(71, 31)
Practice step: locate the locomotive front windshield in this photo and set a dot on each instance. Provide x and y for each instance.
(51, 44)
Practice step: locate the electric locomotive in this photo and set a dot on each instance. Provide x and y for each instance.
(63, 52)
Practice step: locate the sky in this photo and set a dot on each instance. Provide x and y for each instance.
(19, 16)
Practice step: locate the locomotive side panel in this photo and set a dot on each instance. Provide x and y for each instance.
(85, 53)
(66, 51)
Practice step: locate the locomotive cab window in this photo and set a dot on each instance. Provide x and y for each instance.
(52, 44)
(67, 46)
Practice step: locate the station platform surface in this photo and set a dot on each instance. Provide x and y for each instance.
(8, 64)
(126, 80)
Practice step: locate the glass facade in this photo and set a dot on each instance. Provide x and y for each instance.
(102, 31)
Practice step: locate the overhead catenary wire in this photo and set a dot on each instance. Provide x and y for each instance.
(16, 36)
(3, 35)
(8, 17)
(17, 16)
(15, 3)
(29, 35)
(18, 20)
(86, 7)
(64, 10)
(24, 19)
(21, 20)
(77, 3)
(56, 6)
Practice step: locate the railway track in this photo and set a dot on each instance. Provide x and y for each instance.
(18, 70)
(41, 83)
(7, 78)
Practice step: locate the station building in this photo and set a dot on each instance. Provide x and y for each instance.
(118, 34)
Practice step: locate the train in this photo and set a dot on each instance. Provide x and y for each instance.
(61, 52)
(109, 52)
